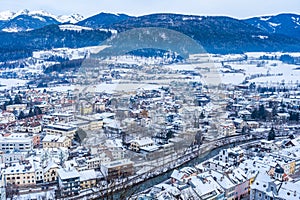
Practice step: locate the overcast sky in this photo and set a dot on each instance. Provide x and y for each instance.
(233, 8)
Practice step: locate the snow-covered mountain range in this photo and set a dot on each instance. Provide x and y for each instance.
(24, 31)
(285, 24)
(25, 20)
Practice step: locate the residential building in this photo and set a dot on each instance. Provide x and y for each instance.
(117, 169)
(232, 156)
(50, 172)
(227, 128)
(266, 188)
(60, 129)
(19, 144)
(56, 141)
(146, 144)
(87, 179)
(17, 107)
(68, 182)
(20, 174)
(11, 156)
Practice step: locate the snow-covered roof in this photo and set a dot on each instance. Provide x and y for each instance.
(143, 141)
(54, 138)
(220, 178)
(150, 148)
(50, 165)
(87, 175)
(68, 173)
(204, 187)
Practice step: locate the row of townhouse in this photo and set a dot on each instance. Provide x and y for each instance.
(27, 173)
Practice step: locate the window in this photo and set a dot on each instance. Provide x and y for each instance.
(259, 194)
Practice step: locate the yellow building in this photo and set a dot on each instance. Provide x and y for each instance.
(87, 179)
(50, 172)
(60, 129)
(95, 124)
(288, 166)
(56, 141)
(92, 122)
(251, 181)
(292, 167)
(141, 143)
(19, 175)
(86, 110)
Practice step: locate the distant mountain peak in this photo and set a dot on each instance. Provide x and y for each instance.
(73, 18)
(6, 15)
(103, 20)
(25, 20)
(285, 24)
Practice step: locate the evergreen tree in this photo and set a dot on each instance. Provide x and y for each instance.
(244, 130)
(271, 135)
(21, 115)
(254, 114)
(262, 112)
(10, 102)
(37, 110)
(202, 116)
(18, 99)
(30, 114)
(169, 134)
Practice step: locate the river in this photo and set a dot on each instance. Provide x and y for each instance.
(162, 177)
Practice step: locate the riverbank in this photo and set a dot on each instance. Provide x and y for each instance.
(142, 182)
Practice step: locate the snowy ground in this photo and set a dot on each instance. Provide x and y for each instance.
(284, 72)
(9, 83)
(271, 72)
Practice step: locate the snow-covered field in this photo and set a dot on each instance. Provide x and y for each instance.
(9, 83)
(280, 72)
(272, 71)
(209, 66)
